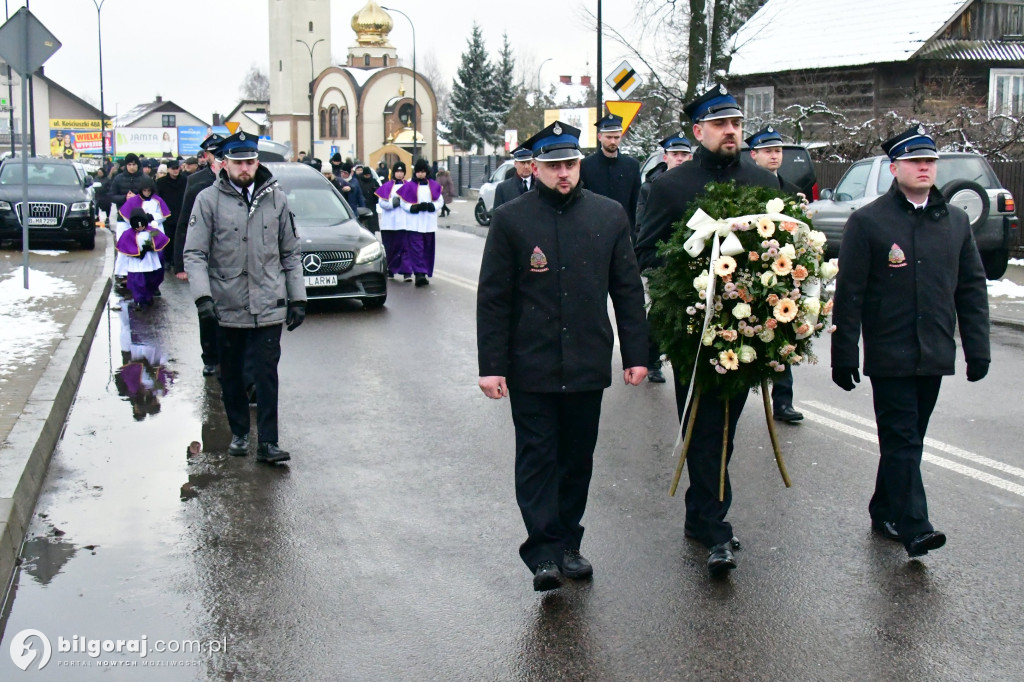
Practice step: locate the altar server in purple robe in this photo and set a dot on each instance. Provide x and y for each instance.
(421, 199)
(392, 219)
(141, 246)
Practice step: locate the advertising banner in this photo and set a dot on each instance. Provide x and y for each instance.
(189, 137)
(74, 144)
(77, 124)
(153, 142)
(581, 118)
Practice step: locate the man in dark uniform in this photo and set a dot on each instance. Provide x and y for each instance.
(171, 188)
(552, 259)
(521, 182)
(611, 174)
(677, 150)
(718, 127)
(910, 274)
(195, 184)
(125, 184)
(766, 151)
(244, 265)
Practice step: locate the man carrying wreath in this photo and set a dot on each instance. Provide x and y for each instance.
(718, 127)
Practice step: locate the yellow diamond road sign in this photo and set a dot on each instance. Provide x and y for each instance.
(624, 80)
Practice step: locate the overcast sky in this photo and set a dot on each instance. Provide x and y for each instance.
(196, 52)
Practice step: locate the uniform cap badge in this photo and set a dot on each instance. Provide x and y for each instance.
(538, 261)
(557, 130)
(770, 129)
(920, 130)
(241, 136)
(722, 90)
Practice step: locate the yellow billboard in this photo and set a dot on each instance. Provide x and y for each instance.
(76, 123)
(582, 118)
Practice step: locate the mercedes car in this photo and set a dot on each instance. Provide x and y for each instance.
(60, 205)
(340, 257)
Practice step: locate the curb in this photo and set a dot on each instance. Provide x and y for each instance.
(37, 431)
(471, 229)
(1006, 322)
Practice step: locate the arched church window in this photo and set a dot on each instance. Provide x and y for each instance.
(344, 122)
(311, 27)
(385, 60)
(332, 129)
(366, 60)
(323, 124)
(405, 115)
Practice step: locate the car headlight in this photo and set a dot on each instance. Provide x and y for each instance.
(80, 206)
(4, 206)
(370, 252)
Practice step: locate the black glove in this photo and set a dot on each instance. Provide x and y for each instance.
(296, 314)
(427, 206)
(206, 309)
(395, 202)
(845, 377)
(976, 369)
(415, 208)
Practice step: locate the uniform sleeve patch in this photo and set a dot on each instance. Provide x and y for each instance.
(192, 220)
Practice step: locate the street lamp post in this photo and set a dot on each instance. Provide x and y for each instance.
(103, 115)
(415, 104)
(312, 77)
(538, 71)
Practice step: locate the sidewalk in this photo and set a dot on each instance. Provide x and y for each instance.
(45, 335)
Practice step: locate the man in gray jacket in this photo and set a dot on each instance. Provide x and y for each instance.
(244, 268)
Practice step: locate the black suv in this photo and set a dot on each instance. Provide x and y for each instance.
(59, 205)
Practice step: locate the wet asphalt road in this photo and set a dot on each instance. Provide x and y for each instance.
(388, 548)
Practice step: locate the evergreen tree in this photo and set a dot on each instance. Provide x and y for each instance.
(472, 118)
(505, 88)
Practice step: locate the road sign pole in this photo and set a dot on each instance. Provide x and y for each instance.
(24, 174)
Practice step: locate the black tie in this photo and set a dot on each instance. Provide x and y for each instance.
(526, 187)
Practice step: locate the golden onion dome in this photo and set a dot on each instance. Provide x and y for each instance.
(372, 25)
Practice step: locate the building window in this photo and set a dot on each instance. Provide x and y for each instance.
(332, 127)
(1006, 92)
(311, 27)
(167, 121)
(758, 102)
(344, 123)
(280, 65)
(366, 60)
(323, 124)
(385, 60)
(405, 113)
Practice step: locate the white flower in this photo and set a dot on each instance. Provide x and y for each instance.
(829, 270)
(709, 337)
(812, 306)
(741, 310)
(747, 354)
(768, 279)
(788, 250)
(700, 283)
(775, 205)
(816, 238)
(766, 335)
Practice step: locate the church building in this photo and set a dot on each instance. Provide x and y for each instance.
(363, 108)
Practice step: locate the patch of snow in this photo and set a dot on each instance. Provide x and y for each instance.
(1005, 287)
(44, 252)
(26, 328)
(1016, 261)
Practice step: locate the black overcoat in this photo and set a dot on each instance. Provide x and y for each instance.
(542, 301)
(672, 192)
(616, 178)
(905, 276)
(195, 184)
(509, 189)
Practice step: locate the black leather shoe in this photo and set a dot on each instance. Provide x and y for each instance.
(786, 413)
(887, 529)
(655, 375)
(721, 559)
(239, 446)
(547, 577)
(575, 565)
(925, 542)
(209, 370)
(269, 453)
(422, 281)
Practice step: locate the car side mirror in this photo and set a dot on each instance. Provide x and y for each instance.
(363, 214)
(89, 181)
(825, 195)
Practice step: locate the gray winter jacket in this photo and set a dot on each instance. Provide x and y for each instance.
(247, 259)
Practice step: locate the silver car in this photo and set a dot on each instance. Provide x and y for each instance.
(485, 204)
(966, 180)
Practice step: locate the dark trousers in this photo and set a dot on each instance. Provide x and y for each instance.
(555, 438)
(208, 341)
(903, 406)
(653, 350)
(705, 515)
(263, 347)
(782, 389)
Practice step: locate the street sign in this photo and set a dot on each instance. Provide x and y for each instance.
(626, 109)
(624, 80)
(25, 43)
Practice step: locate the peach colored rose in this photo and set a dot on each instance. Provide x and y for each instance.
(803, 329)
(827, 309)
(789, 226)
(773, 299)
(729, 335)
(799, 273)
(753, 256)
(770, 323)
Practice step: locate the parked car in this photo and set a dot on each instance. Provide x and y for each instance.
(966, 180)
(60, 205)
(340, 257)
(485, 204)
(797, 167)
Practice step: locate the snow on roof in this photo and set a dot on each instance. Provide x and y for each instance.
(788, 35)
(260, 118)
(360, 75)
(566, 93)
(134, 114)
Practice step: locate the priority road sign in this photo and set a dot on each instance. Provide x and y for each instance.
(624, 80)
(25, 43)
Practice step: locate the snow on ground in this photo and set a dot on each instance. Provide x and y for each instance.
(26, 327)
(1016, 261)
(45, 252)
(1005, 287)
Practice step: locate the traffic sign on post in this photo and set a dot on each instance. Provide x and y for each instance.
(624, 80)
(25, 43)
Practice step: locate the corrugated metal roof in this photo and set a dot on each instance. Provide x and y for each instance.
(980, 50)
(788, 35)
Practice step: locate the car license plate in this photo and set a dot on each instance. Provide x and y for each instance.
(49, 222)
(321, 280)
